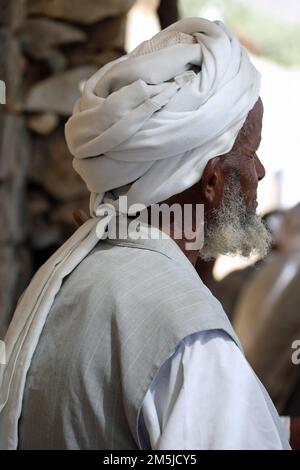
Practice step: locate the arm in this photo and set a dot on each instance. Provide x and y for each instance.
(206, 396)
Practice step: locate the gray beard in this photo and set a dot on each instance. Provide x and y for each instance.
(236, 230)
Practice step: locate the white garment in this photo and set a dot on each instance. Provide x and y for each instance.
(206, 396)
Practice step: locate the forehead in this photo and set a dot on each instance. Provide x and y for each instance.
(256, 114)
(250, 134)
(247, 141)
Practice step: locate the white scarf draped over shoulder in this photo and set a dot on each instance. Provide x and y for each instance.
(146, 123)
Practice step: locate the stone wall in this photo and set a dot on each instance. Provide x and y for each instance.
(48, 47)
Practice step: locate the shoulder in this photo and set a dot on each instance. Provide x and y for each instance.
(214, 347)
(160, 292)
(139, 270)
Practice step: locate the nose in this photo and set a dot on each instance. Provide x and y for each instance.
(260, 169)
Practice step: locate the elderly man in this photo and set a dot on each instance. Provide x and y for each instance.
(116, 343)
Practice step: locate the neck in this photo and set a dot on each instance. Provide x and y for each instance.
(182, 242)
(205, 271)
(191, 255)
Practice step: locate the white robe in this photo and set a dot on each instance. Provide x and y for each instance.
(206, 396)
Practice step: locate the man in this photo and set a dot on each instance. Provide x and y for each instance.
(116, 343)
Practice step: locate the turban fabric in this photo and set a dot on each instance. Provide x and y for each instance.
(154, 118)
(145, 125)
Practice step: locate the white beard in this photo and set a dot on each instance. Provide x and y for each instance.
(236, 229)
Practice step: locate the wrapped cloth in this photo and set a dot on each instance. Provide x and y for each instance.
(154, 118)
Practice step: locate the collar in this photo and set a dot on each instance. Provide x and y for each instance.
(125, 231)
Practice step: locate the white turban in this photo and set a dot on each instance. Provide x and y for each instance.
(154, 118)
(146, 123)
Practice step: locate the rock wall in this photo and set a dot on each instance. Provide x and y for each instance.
(48, 47)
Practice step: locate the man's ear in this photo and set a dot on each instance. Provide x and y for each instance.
(212, 182)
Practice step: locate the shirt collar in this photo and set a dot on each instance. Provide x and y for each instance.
(124, 231)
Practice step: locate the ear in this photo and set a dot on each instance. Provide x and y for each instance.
(212, 182)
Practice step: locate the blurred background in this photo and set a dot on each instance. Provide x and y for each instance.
(48, 49)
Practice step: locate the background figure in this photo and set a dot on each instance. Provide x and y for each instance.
(262, 301)
(266, 316)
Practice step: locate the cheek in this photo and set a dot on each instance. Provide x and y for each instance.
(249, 184)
